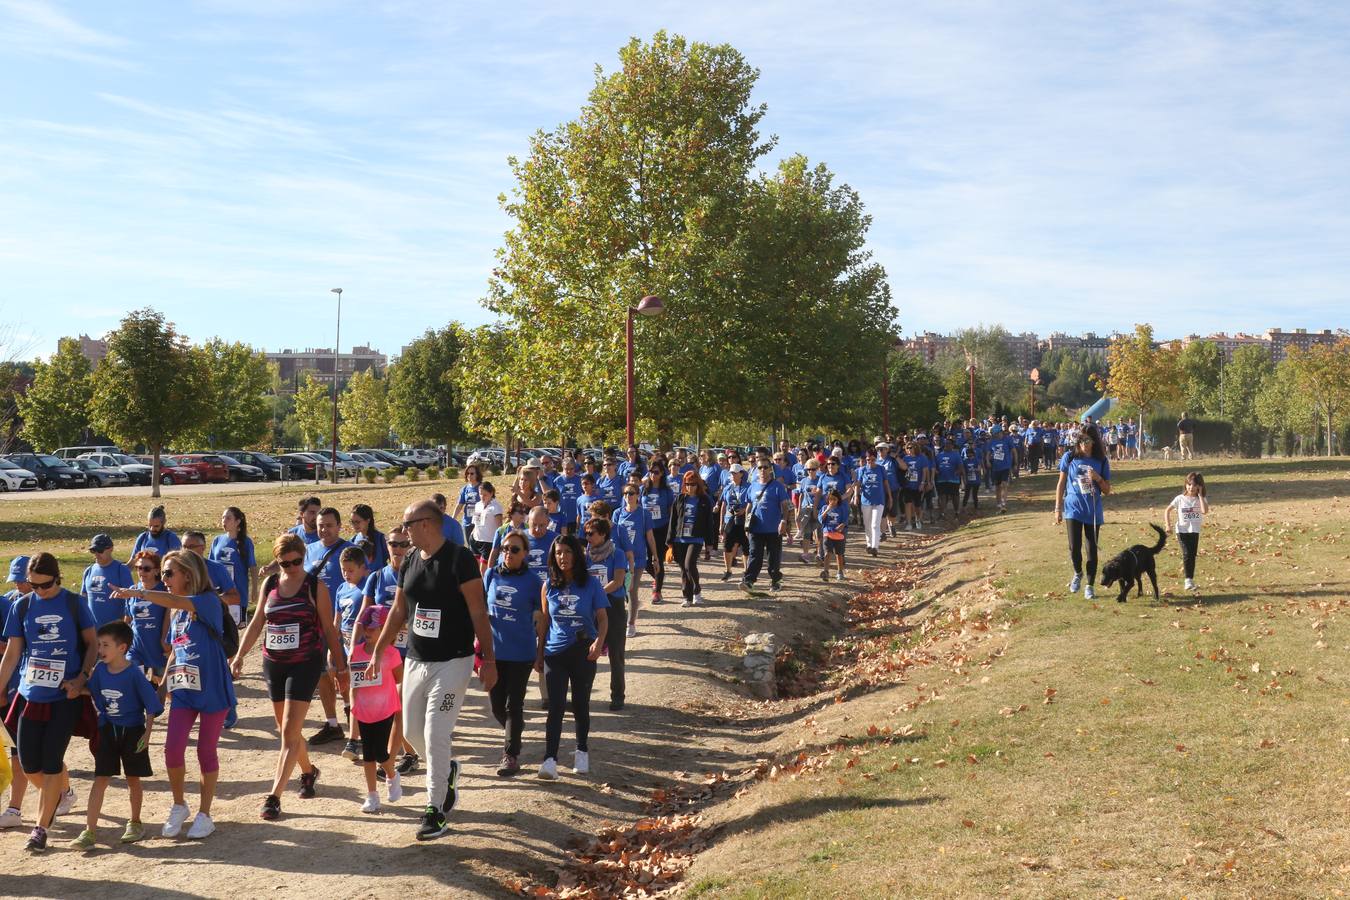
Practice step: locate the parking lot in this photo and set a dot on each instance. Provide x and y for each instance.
(174, 490)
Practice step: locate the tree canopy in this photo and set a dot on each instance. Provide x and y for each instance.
(55, 408)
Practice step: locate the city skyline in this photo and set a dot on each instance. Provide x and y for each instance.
(229, 161)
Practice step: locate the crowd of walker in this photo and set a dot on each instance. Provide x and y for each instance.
(545, 577)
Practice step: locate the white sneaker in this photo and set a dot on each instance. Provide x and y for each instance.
(632, 629)
(1075, 583)
(372, 804)
(1089, 593)
(838, 576)
(67, 801)
(1190, 584)
(202, 826)
(395, 787)
(11, 818)
(178, 814)
(698, 599)
(548, 769)
(582, 764)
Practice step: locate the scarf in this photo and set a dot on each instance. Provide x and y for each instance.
(601, 553)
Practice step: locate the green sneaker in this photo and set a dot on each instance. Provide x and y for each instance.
(85, 841)
(135, 832)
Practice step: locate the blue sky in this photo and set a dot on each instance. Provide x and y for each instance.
(1044, 165)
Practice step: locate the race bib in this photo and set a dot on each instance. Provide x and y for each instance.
(686, 528)
(283, 637)
(1085, 485)
(182, 677)
(998, 453)
(361, 676)
(427, 623)
(1190, 513)
(401, 642)
(47, 673)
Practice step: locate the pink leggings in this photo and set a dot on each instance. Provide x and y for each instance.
(208, 736)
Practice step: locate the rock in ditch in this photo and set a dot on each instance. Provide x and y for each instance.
(760, 651)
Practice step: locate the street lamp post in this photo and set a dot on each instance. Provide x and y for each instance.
(971, 369)
(337, 343)
(1035, 380)
(647, 306)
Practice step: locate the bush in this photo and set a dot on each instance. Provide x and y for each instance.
(1248, 441)
(368, 474)
(1211, 435)
(433, 472)
(451, 473)
(390, 474)
(414, 473)
(495, 471)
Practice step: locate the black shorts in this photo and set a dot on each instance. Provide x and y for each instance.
(912, 496)
(833, 546)
(949, 488)
(117, 753)
(42, 745)
(480, 549)
(293, 681)
(735, 537)
(375, 739)
(1001, 475)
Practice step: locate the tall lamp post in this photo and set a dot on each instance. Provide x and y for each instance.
(337, 343)
(647, 306)
(971, 369)
(1035, 380)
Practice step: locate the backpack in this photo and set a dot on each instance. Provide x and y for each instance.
(229, 638)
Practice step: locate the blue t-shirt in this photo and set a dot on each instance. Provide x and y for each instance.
(892, 471)
(123, 698)
(147, 629)
(609, 489)
(626, 467)
(7, 603)
(380, 586)
(162, 544)
(512, 599)
(51, 651)
(971, 461)
(569, 489)
(918, 465)
(634, 524)
(221, 578)
(1001, 452)
(734, 498)
(766, 506)
(828, 482)
(658, 503)
(949, 467)
(1082, 496)
(604, 571)
(571, 614)
(451, 530)
(330, 573)
(468, 495)
(309, 537)
(558, 521)
(537, 556)
(689, 521)
(97, 587)
(712, 477)
(348, 600)
(199, 674)
(375, 548)
(806, 492)
(835, 518)
(872, 483)
(227, 551)
(584, 507)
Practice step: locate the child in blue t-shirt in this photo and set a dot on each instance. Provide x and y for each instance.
(834, 527)
(346, 605)
(127, 706)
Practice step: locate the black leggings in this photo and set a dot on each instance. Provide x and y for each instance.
(972, 495)
(375, 740)
(1190, 543)
(508, 700)
(616, 639)
(656, 565)
(570, 667)
(1077, 532)
(687, 556)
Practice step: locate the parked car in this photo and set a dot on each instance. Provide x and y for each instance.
(346, 468)
(100, 476)
(50, 472)
(385, 456)
(368, 461)
(304, 466)
(75, 452)
(170, 472)
(269, 466)
(237, 471)
(213, 471)
(136, 472)
(14, 477)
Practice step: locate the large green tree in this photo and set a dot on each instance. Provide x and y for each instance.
(239, 382)
(151, 388)
(1322, 373)
(1202, 374)
(55, 408)
(314, 412)
(986, 346)
(425, 399)
(1140, 374)
(643, 193)
(915, 393)
(1241, 383)
(364, 411)
(955, 402)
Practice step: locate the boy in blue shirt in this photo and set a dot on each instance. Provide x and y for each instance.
(127, 706)
(1001, 455)
(346, 604)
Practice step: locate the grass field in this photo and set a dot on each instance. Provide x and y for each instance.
(1192, 747)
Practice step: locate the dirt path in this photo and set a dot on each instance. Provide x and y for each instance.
(676, 727)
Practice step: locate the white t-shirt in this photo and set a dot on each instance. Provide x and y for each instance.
(1190, 514)
(486, 519)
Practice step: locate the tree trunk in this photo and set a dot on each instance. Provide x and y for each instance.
(154, 470)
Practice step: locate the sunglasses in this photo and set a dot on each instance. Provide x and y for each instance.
(630, 493)
(411, 522)
(42, 585)
(766, 468)
(834, 465)
(169, 573)
(512, 548)
(590, 533)
(285, 563)
(399, 543)
(147, 568)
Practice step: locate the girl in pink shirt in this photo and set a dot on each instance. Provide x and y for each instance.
(375, 704)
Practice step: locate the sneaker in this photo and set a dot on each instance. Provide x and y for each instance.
(726, 576)
(1075, 583)
(918, 526)
(838, 576)
(1190, 584)
(1089, 593)
(271, 810)
(656, 596)
(352, 750)
(452, 787)
(408, 764)
(508, 766)
(581, 765)
(776, 586)
(134, 833)
(393, 787)
(372, 804)
(548, 769)
(806, 561)
(37, 840)
(698, 599)
(11, 818)
(85, 841)
(178, 814)
(632, 629)
(688, 602)
(308, 781)
(379, 774)
(825, 575)
(616, 705)
(433, 825)
(67, 801)
(746, 586)
(326, 735)
(202, 826)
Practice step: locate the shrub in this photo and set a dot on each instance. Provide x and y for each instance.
(1211, 435)
(433, 472)
(368, 474)
(451, 473)
(414, 473)
(390, 474)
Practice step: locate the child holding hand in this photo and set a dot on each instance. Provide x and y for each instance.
(375, 704)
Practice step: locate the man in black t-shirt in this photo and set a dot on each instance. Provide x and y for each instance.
(1186, 436)
(440, 597)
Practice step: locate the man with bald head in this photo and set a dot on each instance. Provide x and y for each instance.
(440, 593)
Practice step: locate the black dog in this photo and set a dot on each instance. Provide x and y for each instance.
(1130, 567)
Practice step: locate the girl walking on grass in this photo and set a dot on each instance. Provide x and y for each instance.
(1190, 506)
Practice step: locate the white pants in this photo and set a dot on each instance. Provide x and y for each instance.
(871, 516)
(433, 695)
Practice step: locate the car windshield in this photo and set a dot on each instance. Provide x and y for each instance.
(261, 457)
(49, 460)
(6, 464)
(125, 461)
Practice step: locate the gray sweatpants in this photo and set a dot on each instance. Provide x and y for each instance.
(433, 695)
